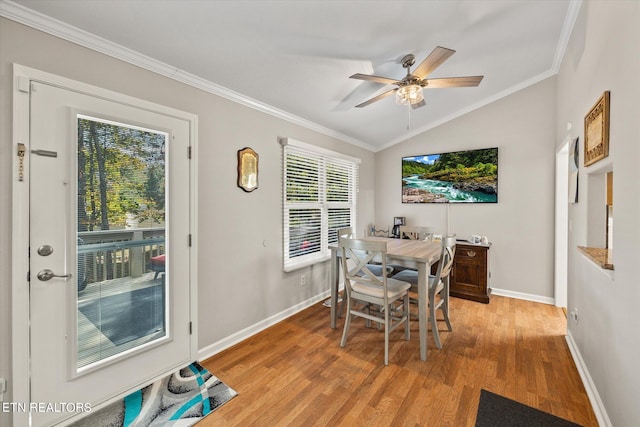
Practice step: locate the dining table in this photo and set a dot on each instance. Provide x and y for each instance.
(416, 254)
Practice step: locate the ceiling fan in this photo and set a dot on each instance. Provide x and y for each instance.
(409, 89)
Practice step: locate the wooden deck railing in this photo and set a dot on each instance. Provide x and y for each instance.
(112, 254)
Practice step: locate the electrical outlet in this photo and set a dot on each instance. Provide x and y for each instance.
(303, 280)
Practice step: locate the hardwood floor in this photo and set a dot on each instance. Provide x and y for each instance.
(296, 374)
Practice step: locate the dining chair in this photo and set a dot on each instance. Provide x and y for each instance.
(375, 266)
(364, 289)
(345, 231)
(438, 286)
(416, 232)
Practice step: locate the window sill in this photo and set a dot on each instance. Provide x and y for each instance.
(597, 255)
(307, 263)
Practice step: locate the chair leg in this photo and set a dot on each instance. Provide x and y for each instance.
(434, 325)
(340, 305)
(386, 337)
(407, 315)
(347, 322)
(445, 306)
(445, 312)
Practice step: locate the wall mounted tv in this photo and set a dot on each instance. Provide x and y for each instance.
(459, 177)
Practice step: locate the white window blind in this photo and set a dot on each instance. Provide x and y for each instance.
(320, 190)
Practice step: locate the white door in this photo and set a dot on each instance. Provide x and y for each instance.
(109, 249)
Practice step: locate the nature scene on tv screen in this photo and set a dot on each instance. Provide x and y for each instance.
(458, 177)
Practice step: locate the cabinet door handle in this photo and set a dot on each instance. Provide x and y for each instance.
(471, 254)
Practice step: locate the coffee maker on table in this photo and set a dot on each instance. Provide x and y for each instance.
(397, 222)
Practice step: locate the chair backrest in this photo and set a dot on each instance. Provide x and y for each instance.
(345, 232)
(378, 231)
(416, 233)
(361, 253)
(446, 257)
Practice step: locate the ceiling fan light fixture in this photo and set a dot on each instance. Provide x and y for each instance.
(409, 94)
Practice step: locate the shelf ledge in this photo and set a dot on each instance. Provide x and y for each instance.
(597, 255)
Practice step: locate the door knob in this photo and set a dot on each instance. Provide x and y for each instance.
(47, 274)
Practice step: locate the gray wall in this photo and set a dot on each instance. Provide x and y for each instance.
(520, 225)
(604, 54)
(526, 126)
(241, 282)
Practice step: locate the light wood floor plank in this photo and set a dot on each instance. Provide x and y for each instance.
(296, 374)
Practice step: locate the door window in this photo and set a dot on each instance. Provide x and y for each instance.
(121, 251)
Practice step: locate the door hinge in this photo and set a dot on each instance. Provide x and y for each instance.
(189, 240)
(190, 328)
(28, 276)
(189, 152)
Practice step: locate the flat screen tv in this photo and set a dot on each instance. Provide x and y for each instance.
(458, 177)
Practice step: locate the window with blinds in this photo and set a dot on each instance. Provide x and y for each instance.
(320, 188)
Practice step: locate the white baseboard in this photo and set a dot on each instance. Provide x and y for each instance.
(592, 392)
(523, 296)
(231, 340)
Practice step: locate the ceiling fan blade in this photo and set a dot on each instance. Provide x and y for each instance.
(454, 82)
(433, 61)
(378, 79)
(418, 104)
(376, 98)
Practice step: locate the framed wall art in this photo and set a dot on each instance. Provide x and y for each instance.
(469, 176)
(596, 131)
(247, 169)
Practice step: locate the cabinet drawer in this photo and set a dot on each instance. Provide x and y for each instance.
(470, 255)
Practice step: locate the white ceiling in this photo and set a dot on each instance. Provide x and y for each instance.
(293, 59)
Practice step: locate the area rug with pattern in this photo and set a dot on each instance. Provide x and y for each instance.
(497, 411)
(177, 400)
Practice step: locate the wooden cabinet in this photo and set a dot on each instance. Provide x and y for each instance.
(470, 273)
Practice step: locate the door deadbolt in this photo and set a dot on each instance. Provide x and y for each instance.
(45, 250)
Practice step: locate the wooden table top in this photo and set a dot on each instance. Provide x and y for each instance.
(414, 250)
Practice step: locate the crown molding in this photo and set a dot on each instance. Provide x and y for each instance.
(561, 48)
(486, 101)
(46, 24)
(567, 29)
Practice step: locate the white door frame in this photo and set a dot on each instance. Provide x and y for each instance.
(22, 77)
(561, 223)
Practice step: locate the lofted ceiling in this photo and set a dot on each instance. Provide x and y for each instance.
(293, 59)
